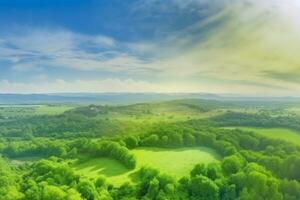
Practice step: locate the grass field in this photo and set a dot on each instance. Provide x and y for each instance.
(52, 109)
(19, 111)
(276, 133)
(161, 117)
(112, 169)
(175, 162)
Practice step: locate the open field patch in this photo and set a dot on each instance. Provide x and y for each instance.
(175, 162)
(52, 109)
(276, 133)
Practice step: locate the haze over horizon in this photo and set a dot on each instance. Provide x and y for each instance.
(241, 47)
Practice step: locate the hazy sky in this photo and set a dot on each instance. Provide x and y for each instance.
(247, 47)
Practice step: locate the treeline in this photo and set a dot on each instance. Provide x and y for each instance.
(109, 149)
(36, 147)
(62, 149)
(66, 125)
(140, 109)
(231, 179)
(258, 120)
(282, 158)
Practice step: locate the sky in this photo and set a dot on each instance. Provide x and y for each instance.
(244, 47)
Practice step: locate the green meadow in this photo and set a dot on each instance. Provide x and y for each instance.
(110, 168)
(21, 111)
(276, 133)
(52, 109)
(175, 162)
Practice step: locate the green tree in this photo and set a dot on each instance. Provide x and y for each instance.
(53, 193)
(87, 190)
(203, 188)
(131, 142)
(232, 164)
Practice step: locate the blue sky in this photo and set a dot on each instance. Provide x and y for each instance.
(218, 46)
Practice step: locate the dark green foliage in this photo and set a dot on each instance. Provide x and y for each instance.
(50, 179)
(36, 147)
(203, 188)
(67, 125)
(254, 182)
(212, 170)
(54, 172)
(199, 169)
(232, 164)
(150, 140)
(290, 189)
(126, 191)
(87, 190)
(156, 186)
(262, 119)
(131, 142)
(100, 181)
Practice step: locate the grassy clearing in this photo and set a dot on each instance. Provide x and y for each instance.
(112, 169)
(175, 162)
(52, 109)
(276, 133)
(19, 111)
(161, 117)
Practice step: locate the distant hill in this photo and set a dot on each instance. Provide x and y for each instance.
(97, 98)
(126, 98)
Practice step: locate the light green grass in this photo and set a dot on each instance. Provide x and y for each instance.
(19, 111)
(276, 133)
(162, 116)
(52, 109)
(175, 162)
(112, 169)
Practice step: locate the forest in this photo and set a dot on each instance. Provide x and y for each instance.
(52, 156)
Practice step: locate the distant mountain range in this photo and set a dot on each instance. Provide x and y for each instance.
(125, 98)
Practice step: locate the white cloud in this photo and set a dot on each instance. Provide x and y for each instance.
(103, 41)
(250, 37)
(60, 85)
(24, 67)
(132, 86)
(230, 50)
(61, 48)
